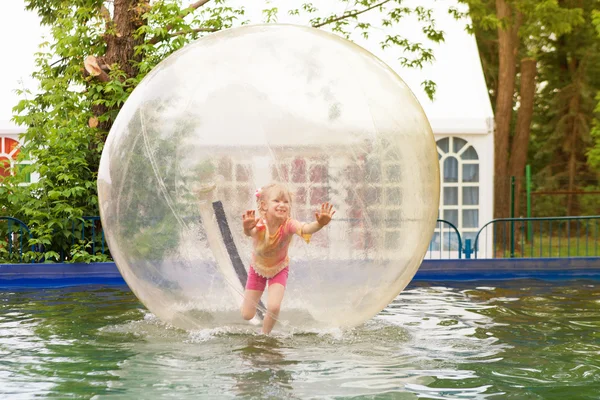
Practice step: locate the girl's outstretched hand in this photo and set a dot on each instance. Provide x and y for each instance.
(325, 215)
(249, 220)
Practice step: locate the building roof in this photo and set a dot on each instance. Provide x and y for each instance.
(461, 104)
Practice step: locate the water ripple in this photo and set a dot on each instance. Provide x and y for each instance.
(524, 339)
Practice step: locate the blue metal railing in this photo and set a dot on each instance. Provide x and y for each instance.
(446, 238)
(10, 235)
(86, 230)
(499, 238)
(90, 223)
(540, 237)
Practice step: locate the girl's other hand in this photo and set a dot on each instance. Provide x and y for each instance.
(324, 217)
(249, 220)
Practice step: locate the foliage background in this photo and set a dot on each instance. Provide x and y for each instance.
(541, 62)
(99, 51)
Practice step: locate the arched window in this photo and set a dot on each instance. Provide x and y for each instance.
(459, 197)
(9, 150)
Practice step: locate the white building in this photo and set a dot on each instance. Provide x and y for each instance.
(461, 114)
(463, 124)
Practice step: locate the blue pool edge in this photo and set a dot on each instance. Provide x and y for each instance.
(62, 275)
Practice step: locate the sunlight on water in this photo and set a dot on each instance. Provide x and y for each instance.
(521, 339)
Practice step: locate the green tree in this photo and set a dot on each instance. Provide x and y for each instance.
(98, 52)
(565, 110)
(594, 152)
(520, 32)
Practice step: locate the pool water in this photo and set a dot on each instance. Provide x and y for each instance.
(505, 340)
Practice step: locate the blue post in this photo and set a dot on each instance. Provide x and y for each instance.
(468, 249)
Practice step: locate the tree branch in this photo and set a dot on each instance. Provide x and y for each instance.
(198, 4)
(157, 39)
(58, 61)
(193, 30)
(108, 22)
(350, 15)
(105, 14)
(94, 69)
(192, 7)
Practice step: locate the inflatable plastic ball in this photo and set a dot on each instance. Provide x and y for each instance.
(245, 107)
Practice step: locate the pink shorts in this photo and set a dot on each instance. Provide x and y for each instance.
(257, 282)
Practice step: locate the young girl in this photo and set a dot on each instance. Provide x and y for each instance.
(272, 234)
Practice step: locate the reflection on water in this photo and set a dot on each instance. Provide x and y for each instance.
(521, 340)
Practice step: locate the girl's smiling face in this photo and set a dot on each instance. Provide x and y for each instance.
(278, 207)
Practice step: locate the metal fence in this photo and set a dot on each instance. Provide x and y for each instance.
(539, 237)
(87, 233)
(80, 235)
(14, 239)
(499, 238)
(446, 241)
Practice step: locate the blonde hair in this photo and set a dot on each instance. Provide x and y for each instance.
(272, 191)
(264, 194)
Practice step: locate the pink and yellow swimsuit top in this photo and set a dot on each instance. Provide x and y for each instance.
(271, 253)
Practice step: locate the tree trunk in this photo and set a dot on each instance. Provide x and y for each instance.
(120, 47)
(520, 142)
(120, 44)
(507, 51)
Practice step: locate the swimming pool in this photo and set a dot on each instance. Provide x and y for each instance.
(521, 339)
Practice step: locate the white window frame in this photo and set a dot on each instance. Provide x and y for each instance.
(440, 229)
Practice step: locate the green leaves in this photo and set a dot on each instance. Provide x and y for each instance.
(429, 86)
(594, 151)
(596, 20)
(270, 15)
(69, 116)
(560, 36)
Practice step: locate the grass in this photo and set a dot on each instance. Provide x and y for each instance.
(551, 246)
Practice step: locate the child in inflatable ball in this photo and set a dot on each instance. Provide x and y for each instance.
(272, 234)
